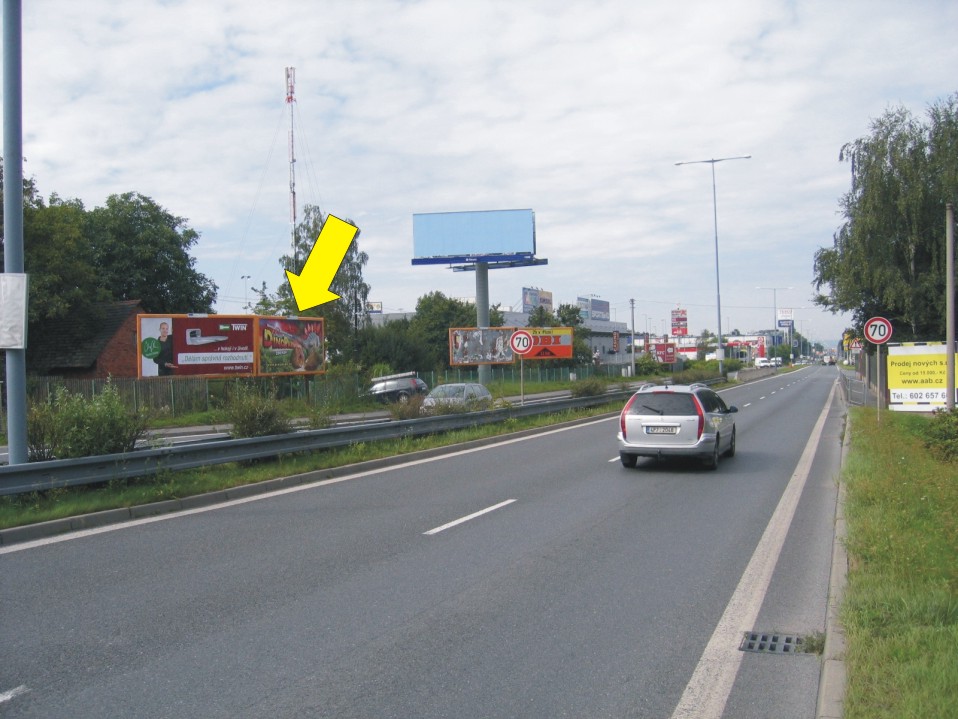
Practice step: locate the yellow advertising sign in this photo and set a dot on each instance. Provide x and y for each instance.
(917, 376)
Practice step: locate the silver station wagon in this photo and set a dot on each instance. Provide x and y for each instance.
(676, 421)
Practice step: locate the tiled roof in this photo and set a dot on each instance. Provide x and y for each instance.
(75, 343)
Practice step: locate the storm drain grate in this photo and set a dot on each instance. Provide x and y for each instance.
(772, 643)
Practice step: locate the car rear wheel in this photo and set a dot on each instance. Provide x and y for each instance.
(628, 460)
(712, 461)
(403, 397)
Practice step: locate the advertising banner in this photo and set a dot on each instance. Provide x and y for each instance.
(480, 345)
(290, 345)
(600, 310)
(680, 322)
(549, 343)
(190, 345)
(917, 376)
(664, 352)
(530, 299)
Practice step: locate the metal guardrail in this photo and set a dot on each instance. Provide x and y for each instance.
(40, 476)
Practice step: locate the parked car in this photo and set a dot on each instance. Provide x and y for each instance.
(676, 421)
(457, 396)
(396, 387)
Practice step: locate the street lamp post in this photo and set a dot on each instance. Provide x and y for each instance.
(719, 350)
(775, 309)
(245, 279)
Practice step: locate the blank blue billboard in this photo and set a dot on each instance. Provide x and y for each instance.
(482, 236)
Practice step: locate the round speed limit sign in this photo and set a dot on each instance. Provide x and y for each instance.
(878, 330)
(520, 342)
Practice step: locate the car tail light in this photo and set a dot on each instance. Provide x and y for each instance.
(625, 411)
(701, 413)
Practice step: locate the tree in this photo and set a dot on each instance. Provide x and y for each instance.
(344, 317)
(888, 257)
(541, 317)
(435, 315)
(141, 252)
(395, 345)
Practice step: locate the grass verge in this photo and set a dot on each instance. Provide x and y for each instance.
(36, 507)
(900, 611)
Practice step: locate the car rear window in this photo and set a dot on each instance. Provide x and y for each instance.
(663, 403)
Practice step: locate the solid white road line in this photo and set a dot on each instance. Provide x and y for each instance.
(456, 522)
(711, 683)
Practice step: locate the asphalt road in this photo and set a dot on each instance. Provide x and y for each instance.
(532, 578)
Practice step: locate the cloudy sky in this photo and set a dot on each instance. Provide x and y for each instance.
(576, 110)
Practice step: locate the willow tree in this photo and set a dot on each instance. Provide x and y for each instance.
(888, 256)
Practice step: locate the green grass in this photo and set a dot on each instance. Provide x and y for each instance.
(900, 611)
(36, 507)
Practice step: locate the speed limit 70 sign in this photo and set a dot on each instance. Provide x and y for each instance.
(521, 342)
(878, 330)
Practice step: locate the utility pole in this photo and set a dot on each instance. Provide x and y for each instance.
(950, 304)
(16, 352)
(632, 341)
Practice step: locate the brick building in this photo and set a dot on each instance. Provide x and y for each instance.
(95, 347)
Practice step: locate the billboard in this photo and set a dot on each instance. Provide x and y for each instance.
(178, 345)
(550, 343)
(480, 345)
(481, 236)
(663, 352)
(917, 376)
(680, 322)
(533, 297)
(290, 345)
(189, 345)
(591, 308)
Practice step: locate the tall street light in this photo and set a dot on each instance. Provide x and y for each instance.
(245, 279)
(775, 308)
(719, 350)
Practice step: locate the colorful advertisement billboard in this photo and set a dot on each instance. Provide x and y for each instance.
(550, 343)
(680, 322)
(189, 345)
(290, 345)
(533, 297)
(228, 345)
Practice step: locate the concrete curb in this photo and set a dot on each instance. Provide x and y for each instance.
(831, 686)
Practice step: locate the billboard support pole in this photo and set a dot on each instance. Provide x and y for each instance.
(482, 313)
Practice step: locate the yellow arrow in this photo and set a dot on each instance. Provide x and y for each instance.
(311, 286)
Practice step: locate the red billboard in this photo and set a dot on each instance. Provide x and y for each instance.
(229, 345)
(188, 345)
(664, 352)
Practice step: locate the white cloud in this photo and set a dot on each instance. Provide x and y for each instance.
(578, 110)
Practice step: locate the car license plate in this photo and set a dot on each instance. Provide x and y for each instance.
(661, 430)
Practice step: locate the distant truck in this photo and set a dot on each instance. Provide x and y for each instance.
(762, 362)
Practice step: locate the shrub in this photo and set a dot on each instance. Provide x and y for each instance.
(73, 426)
(941, 434)
(253, 414)
(591, 387)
